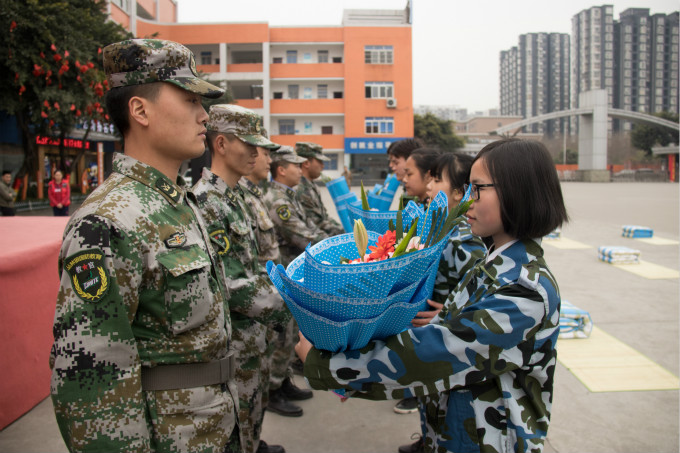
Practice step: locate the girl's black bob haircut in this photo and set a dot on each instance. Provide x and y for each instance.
(526, 181)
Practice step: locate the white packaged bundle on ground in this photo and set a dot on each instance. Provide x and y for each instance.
(637, 231)
(574, 322)
(618, 255)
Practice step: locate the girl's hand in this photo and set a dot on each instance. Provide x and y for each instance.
(423, 318)
(303, 347)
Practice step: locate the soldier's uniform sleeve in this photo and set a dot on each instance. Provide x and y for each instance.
(96, 369)
(462, 253)
(317, 213)
(475, 343)
(292, 227)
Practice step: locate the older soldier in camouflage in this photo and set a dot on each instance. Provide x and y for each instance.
(487, 367)
(141, 359)
(294, 229)
(308, 194)
(234, 133)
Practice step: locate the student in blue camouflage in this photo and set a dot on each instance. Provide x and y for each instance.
(487, 366)
(418, 173)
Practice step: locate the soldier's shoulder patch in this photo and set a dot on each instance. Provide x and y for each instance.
(219, 237)
(168, 190)
(283, 212)
(88, 274)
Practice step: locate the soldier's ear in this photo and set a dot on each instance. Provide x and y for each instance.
(221, 143)
(137, 109)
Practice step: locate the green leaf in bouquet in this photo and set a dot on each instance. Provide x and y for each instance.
(436, 218)
(400, 227)
(401, 248)
(390, 225)
(401, 203)
(364, 199)
(344, 260)
(455, 217)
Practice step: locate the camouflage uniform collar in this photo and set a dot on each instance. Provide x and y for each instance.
(251, 187)
(149, 176)
(284, 188)
(221, 186)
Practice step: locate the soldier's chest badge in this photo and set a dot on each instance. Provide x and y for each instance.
(176, 240)
(283, 212)
(219, 237)
(88, 275)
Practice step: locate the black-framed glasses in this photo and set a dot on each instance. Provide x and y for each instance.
(474, 193)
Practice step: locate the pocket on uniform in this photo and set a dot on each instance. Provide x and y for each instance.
(197, 419)
(189, 296)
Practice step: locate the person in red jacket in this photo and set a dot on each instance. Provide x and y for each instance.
(59, 193)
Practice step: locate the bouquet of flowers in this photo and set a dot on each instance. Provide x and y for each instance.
(379, 220)
(350, 289)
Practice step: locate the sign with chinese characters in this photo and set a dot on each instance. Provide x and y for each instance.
(369, 145)
(68, 142)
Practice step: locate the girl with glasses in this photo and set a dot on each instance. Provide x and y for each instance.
(487, 366)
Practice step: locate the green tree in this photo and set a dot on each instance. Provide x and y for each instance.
(435, 131)
(51, 68)
(645, 136)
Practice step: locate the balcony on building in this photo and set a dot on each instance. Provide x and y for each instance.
(247, 93)
(244, 59)
(305, 60)
(326, 130)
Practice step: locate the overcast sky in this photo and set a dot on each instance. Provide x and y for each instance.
(456, 43)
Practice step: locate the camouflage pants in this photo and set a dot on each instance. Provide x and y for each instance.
(283, 354)
(249, 340)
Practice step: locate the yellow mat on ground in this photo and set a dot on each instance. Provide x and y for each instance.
(604, 364)
(649, 270)
(658, 241)
(566, 244)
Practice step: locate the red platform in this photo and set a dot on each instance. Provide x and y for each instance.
(29, 281)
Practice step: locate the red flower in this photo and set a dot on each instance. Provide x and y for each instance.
(16, 76)
(46, 104)
(78, 113)
(63, 69)
(90, 64)
(42, 55)
(56, 105)
(43, 114)
(73, 107)
(53, 47)
(99, 90)
(57, 57)
(12, 26)
(37, 70)
(66, 54)
(384, 246)
(21, 90)
(84, 69)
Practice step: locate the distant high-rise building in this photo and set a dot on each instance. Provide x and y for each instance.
(646, 63)
(534, 79)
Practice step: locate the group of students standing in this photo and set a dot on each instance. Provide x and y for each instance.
(169, 337)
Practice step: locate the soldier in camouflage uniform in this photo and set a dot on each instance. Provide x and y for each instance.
(294, 229)
(308, 194)
(234, 133)
(487, 366)
(141, 359)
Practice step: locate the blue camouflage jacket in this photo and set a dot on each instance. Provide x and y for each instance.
(487, 366)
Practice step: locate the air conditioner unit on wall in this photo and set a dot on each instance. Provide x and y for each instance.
(391, 103)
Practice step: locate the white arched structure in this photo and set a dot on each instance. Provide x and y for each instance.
(592, 113)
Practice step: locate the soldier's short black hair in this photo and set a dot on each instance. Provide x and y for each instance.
(456, 166)
(274, 166)
(404, 148)
(6, 172)
(117, 102)
(527, 185)
(211, 136)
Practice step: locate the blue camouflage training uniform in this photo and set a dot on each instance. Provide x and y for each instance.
(254, 303)
(487, 368)
(138, 289)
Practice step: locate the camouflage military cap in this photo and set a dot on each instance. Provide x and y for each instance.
(243, 123)
(309, 149)
(288, 154)
(140, 61)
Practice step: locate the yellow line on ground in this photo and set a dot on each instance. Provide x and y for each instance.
(658, 241)
(649, 270)
(604, 364)
(566, 244)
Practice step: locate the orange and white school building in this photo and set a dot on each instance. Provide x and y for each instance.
(346, 87)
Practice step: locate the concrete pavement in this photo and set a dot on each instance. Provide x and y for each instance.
(639, 312)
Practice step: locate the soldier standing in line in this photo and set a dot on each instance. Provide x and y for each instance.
(281, 344)
(141, 359)
(294, 229)
(234, 133)
(307, 193)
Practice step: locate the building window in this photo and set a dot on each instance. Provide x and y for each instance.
(322, 91)
(307, 93)
(379, 125)
(332, 163)
(322, 56)
(379, 90)
(286, 127)
(307, 57)
(291, 56)
(206, 57)
(278, 94)
(378, 54)
(337, 59)
(293, 91)
(326, 130)
(277, 60)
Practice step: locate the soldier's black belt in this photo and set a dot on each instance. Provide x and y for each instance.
(189, 375)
